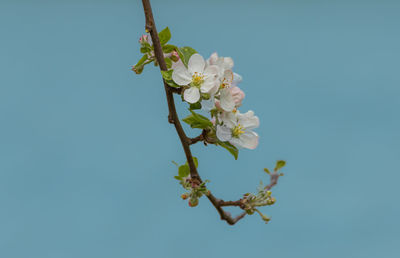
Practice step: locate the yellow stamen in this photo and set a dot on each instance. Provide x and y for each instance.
(237, 130)
(197, 79)
(224, 84)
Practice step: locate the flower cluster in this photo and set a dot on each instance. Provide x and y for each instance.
(214, 85)
(195, 190)
(210, 85)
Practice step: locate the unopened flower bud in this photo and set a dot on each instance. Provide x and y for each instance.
(138, 69)
(184, 196)
(213, 121)
(193, 202)
(250, 212)
(174, 56)
(238, 95)
(143, 38)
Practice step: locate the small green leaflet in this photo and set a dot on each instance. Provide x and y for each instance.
(184, 170)
(185, 53)
(164, 35)
(168, 48)
(232, 149)
(196, 105)
(280, 164)
(138, 68)
(145, 47)
(197, 121)
(167, 75)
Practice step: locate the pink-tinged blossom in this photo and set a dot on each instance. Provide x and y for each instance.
(237, 95)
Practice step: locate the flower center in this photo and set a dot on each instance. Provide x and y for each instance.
(237, 131)
(224, 84)
(197, 79)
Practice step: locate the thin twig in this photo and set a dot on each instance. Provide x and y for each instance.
(231, 203)
(195, 139)
(173, 116)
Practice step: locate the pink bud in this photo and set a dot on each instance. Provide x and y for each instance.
(213, 120)
(217, 104)
(238, 95)
(174, 56)
(143, 38)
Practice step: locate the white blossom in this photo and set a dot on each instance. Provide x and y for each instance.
(236, 128)
(198, 76)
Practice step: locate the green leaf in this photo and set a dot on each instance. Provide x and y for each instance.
(167, 75)
(196, 162)
(142, 60)
(146, 47)
(280, 164)
(138, 68)
(168, 48)
(195, 106)
(172, 84)
(201, 117)
(232, 149)
(168, 62)
(164, 35)
(185, 53)
(184, 170)
(197, 121)
(178, 178)
(267, 171)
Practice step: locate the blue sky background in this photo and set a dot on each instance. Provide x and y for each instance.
(86, 150)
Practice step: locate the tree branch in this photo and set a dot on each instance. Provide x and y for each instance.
(174, 119)
(173, 116)
(196, 139)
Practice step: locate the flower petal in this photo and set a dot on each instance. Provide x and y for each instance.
(229, 119)
(248, 120)
(228, 77)
(213, 59)
(228, 63)
(249, 139)
(237, 78)
(209, 85)
(224, 133)
(236, 142)
(191, 95)
(196, 64)
(226, 100)
(181, 76)
(211, 71)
